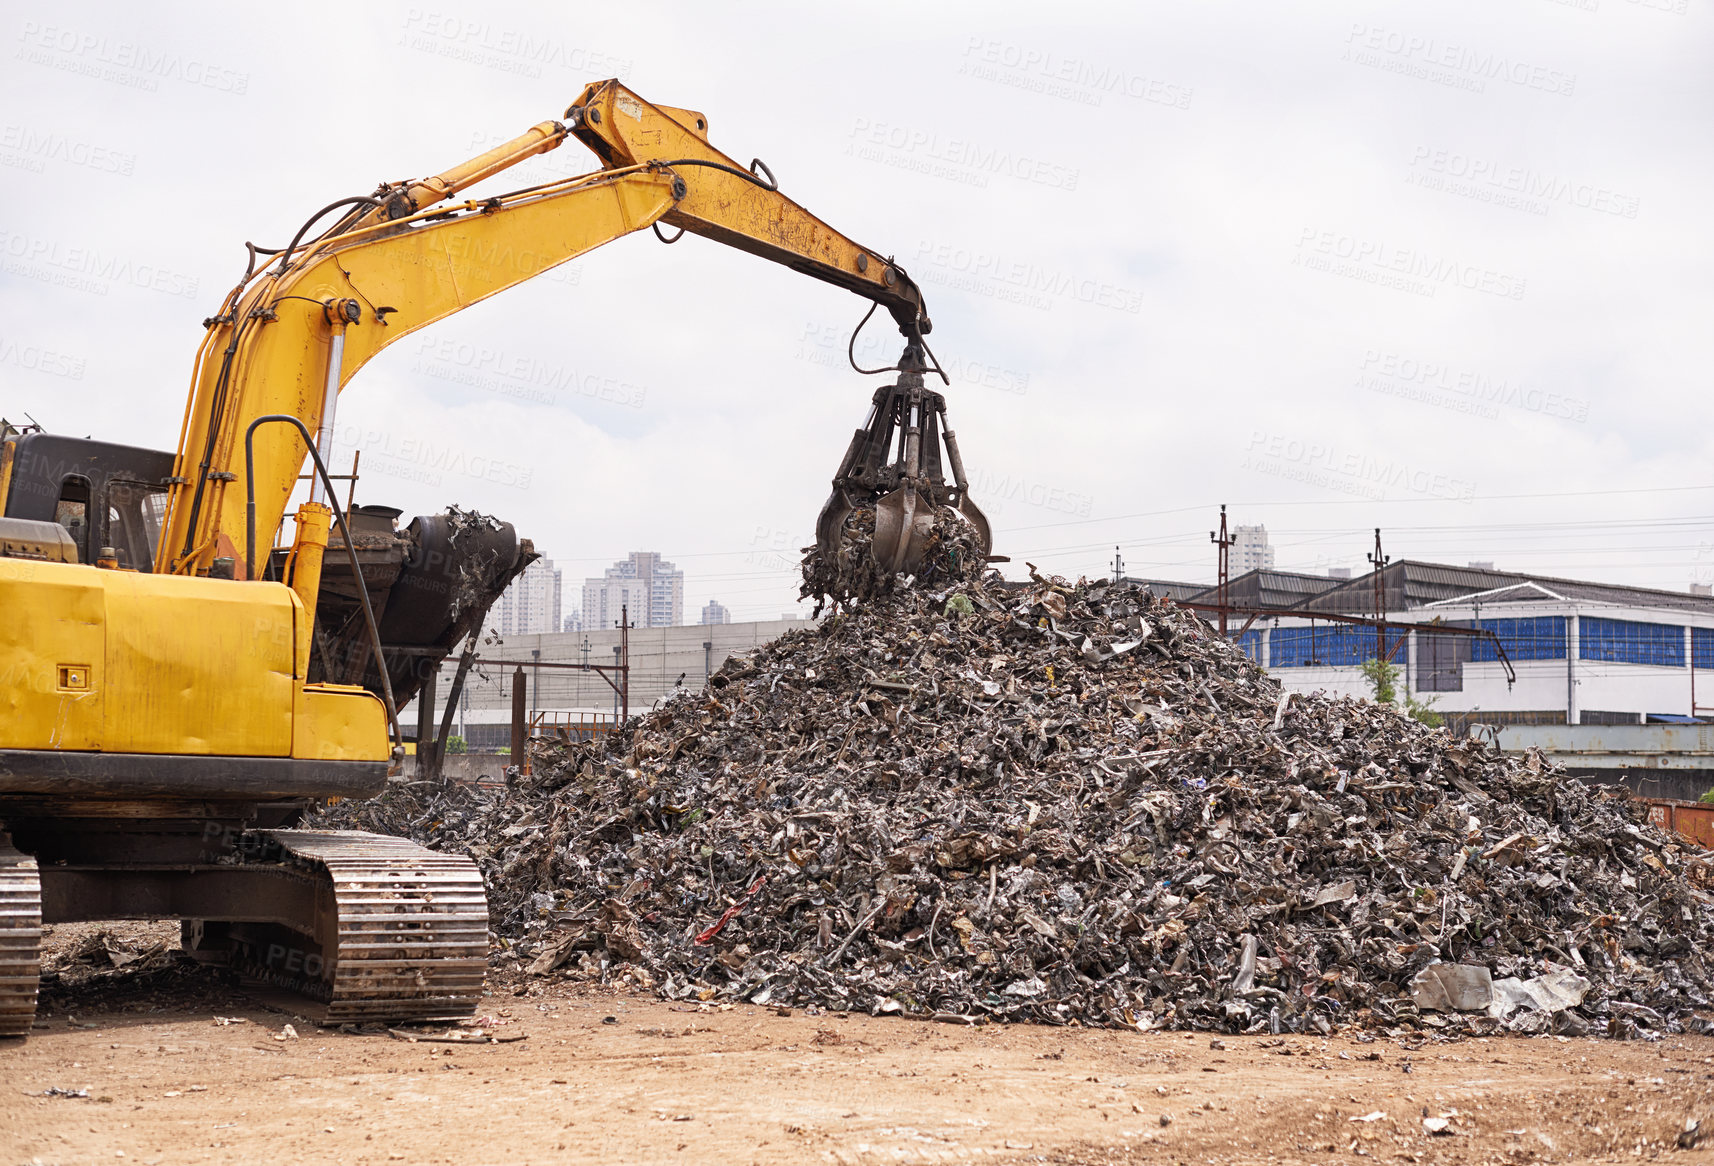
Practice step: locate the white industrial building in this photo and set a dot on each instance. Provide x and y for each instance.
(1583, 653)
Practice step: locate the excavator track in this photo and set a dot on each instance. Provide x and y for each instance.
(20, 939)
(402, 931)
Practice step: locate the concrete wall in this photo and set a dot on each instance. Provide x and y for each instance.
(658, 657)
(475, 766)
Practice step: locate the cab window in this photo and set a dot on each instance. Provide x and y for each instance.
(72, 512)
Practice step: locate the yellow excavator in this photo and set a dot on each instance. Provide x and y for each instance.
(171, 701)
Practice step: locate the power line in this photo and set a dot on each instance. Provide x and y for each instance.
(1358, 502)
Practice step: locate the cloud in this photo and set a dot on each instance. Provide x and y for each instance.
(1145, 235)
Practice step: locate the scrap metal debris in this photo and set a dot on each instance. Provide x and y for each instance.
(952, 552)
(456, 1036)
(104, 949)
(1059, 803)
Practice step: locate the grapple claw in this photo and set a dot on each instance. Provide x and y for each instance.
(905, 485)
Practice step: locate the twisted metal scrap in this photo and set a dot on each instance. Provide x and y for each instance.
(1063, 802)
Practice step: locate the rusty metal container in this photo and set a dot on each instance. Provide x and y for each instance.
(1694, 820)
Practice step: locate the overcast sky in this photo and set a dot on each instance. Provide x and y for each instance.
(1438, 268)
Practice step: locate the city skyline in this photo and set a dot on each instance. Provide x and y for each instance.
(533, 604)
(644, 585)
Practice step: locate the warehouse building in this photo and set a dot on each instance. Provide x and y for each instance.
(1582, 653)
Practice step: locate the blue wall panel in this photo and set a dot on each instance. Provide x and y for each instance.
(1328, 645)
(1536, 638)
(1626, 641)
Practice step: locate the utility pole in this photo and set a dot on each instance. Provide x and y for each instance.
(623, 654)
(426, 767)
(1118, 566)
(1225, 544)
(520, 744)
(536, 681)
(1379, 562)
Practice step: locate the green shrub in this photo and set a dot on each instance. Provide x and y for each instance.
(1383, 678)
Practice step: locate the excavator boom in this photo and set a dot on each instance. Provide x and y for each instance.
(293, 333)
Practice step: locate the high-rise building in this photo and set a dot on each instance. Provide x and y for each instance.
(651, 588)
(715, 612)
(1250, 549)
(573, 622)
(531, 605)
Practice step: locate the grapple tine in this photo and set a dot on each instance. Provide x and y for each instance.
(966, 504)
(893, 515)
(984, 533)
(830, 522)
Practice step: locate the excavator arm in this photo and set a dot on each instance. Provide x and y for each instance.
(293, 332)
(191, 706)
(739, 207)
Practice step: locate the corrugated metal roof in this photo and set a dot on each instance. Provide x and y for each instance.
(1269, 588)
(1411, 584)
(1621, 595)
(1169, 589)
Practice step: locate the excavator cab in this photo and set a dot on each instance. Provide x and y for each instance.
(104, 495)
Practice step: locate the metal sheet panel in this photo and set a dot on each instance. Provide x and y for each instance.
(1617, 746)
(52, 649)
(339, 722)
(197, 666)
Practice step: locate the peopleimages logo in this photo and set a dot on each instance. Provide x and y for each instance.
(122, 62)
(1459, 66)
(508, 50)
(86, 268)
(774, 548)
(1074, 79)
(1460, 389)
(1410, 269)
(35, 358)
(423, 460)
(957, 159)
(31, 149)
(514, 375)
(1318, 463)
(1008, 488)
(1514, 187)
(990, 274)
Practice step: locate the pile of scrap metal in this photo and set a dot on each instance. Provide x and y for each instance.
(1074, 802)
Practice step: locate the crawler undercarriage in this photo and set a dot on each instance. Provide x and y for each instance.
(365, 927)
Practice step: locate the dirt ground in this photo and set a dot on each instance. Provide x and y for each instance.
(615, 1077)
